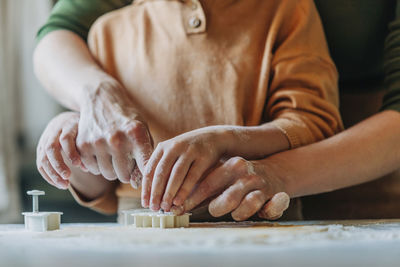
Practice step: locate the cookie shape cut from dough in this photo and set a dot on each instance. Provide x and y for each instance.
(146, 218)
(36, 221)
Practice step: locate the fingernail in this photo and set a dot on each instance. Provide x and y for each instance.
(134, 184)
(76, 162)
(177, 210)
(188, 204)
(178, 201)
(145, 203)
(63, 186)
(155, 207)
(165, 206)
(65, 175)
(84, 168)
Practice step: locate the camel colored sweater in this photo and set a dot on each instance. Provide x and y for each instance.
(191, 64)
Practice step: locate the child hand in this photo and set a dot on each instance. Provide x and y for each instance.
(58, 138)
(242, 188)
(176, 166)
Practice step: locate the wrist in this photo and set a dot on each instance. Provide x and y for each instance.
(107, 95)
(276, 168)
(226, 138)
(254, 142)
(104, 90)
(232, 139)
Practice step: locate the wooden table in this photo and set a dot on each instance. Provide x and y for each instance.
(338, 243)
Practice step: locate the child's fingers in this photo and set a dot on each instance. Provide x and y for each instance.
(53, 175)
(175, 180)
(53, 153)
(148, 176)
(196, 171)
(275, 207)
(68, 144)
(231, 198)
(249, 206)
(160, 179)
(218, 180)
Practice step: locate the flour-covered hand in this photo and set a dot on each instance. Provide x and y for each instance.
(57, 139)
(178, 164)
(242, 188)
(112, 138)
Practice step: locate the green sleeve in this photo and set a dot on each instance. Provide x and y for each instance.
(391, 100)
(78, 15)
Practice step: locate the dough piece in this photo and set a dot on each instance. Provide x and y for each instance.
(182, 221)
(128, 219)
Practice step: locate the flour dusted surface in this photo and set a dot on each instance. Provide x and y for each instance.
(204, 244)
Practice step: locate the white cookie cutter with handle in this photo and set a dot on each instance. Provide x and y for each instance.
(36, 221)
(143, 218)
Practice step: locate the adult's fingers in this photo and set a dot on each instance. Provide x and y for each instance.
(249, 206)
(88, 158)
(136, 177)
(142, 154)
(275, 207)
(53, 153)
(104, 161)
(46, 177)
(123, 166)
(53, 175)
(142, 143)
(68, 143)
(231, 198)
(121, 154)
(178, 174)
(41, 158)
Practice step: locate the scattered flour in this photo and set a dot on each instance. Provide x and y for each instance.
(201, 236)
(207, 244)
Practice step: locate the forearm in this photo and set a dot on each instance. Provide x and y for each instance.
(360, 154)
(93, 191)
(65, 67)
(254, 142)
(89, 186)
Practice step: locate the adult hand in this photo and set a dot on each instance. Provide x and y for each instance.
(177, 165)
(57, 139)
(111, 136)
(242, 188)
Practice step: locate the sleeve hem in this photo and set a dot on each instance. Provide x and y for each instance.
(288, 129)
(48, 29)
